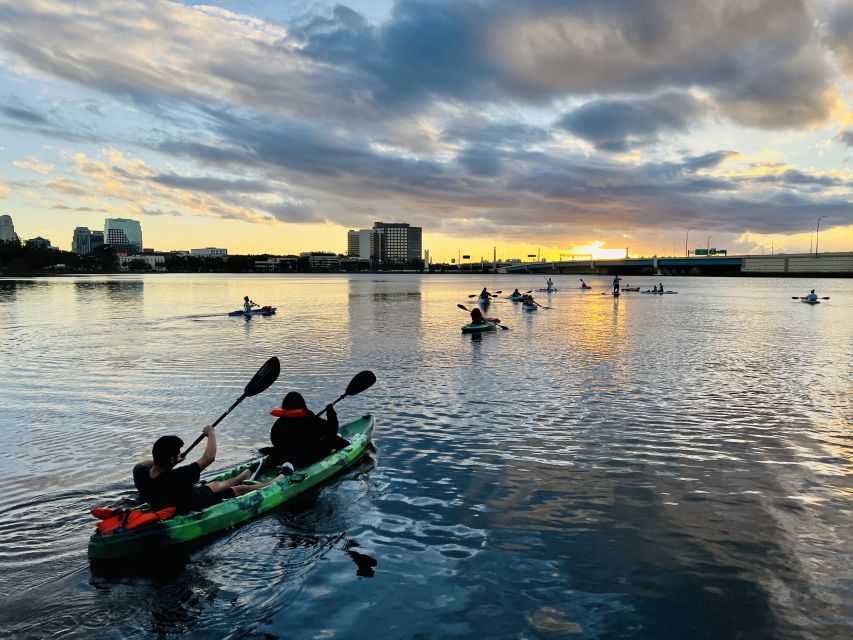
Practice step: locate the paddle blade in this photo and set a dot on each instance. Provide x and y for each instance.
(462, 306)
(361, 382)
(265, 376)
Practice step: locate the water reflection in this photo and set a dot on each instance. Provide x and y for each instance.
(652, 467)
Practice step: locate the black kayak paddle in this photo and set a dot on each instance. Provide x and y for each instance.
(361, 381)
(261, 381)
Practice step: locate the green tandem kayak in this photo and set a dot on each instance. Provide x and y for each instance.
(198, 524)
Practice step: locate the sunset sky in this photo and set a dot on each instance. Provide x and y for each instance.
(560, 126)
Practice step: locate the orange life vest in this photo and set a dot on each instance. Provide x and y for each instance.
(118, 520)
(289, 413)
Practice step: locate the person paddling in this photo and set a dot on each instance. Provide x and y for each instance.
(248, 304)
(477, 317)
(655, 289)
(161, 483)
(584, 285)
(549, 284)
(299, 436)
(812, 296)
(484, 294)
(660, 289)
(516, 293)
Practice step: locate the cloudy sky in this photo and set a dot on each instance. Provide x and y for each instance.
(545, 124)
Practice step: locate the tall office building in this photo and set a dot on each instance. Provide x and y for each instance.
(81, 242)
(96, 240)
(359, 243)
(123, 234)
(7, 229)
(395, 243)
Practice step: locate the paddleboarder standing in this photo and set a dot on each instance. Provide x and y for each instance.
(616, 281)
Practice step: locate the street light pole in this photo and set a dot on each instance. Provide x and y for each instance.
(687, 237)
(817, 235)
(708, 247)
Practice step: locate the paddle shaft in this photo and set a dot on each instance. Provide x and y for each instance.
(341, 397)
(202, 436)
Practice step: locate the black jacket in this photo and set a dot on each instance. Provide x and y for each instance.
(303, 440)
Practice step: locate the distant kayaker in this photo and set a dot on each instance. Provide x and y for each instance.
(616, 281)
(584, 285)
(477, 317)
(248, 304)
(484, 294)
(516, 293)
(660, 289)
(299, 436)
(162, 484)
(812, 296)
(655, 289)
(549, 284)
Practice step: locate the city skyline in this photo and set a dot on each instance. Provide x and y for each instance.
(550, 128)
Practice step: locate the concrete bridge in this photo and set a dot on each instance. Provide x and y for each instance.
(721, 266)
(799, 264)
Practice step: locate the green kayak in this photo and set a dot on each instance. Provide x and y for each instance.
(480, 327)
(198, 524)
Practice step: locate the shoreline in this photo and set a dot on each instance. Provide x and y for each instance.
(587, 274)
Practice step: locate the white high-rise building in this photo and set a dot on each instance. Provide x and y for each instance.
(7, 229)
(123, 234)
(358, 243)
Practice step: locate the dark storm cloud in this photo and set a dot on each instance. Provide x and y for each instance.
(63, 207)
(294, 212)
(500, 134)
(846, 137)
(619, 125)
(161, 212)
(23, 114)
(794, 177)
(840, 33)
(514, 188)
(209, 184)
(707, 160)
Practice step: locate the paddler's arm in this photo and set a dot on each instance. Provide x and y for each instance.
(209, 454)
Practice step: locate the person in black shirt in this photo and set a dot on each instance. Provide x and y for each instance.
(299, 436)
(161, 484)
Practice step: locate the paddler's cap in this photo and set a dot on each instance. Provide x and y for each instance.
(293, 400)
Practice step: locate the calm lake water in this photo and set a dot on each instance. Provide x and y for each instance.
(649, 467)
